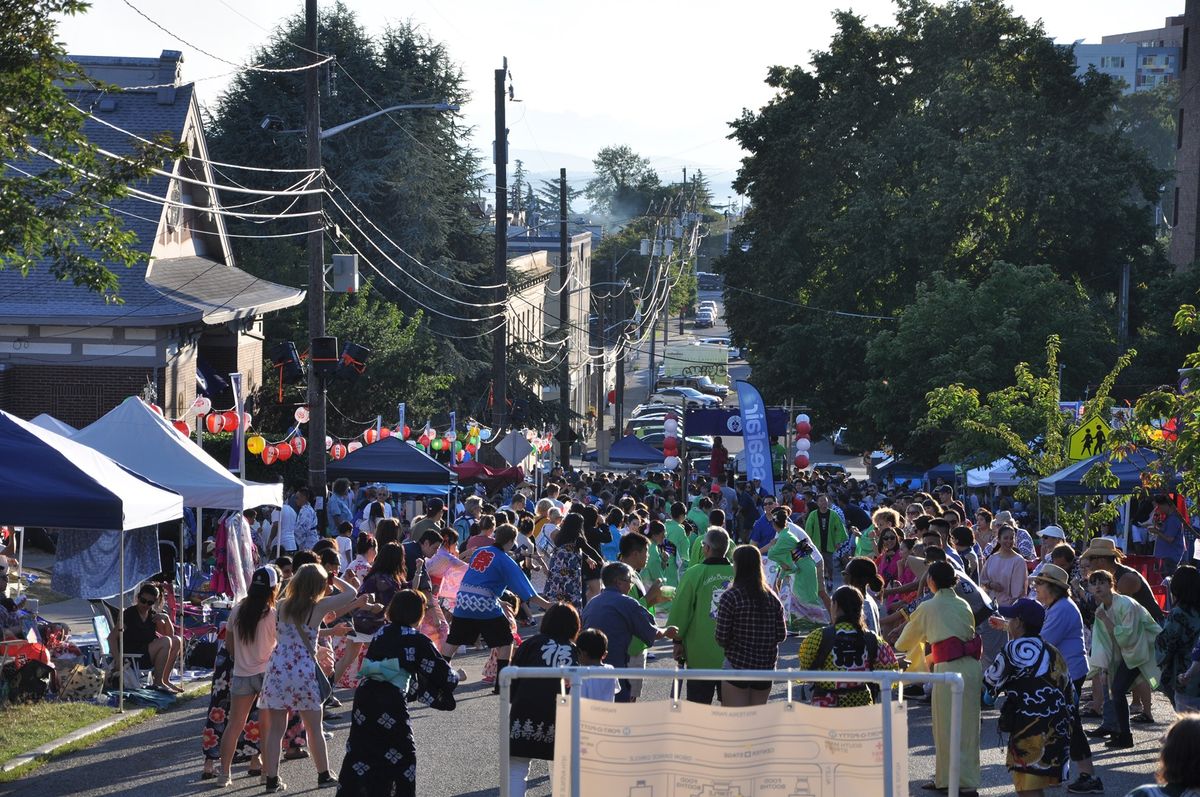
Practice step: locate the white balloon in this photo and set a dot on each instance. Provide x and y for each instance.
(670, 428)
(803, 444)
(802, 418)
(671, 463)
(202, 405)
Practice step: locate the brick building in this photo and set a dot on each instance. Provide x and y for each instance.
(186, 309)
(1185, 219)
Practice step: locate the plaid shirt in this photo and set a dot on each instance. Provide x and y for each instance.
(750, 629)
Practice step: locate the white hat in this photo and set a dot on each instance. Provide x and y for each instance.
(1053, 531)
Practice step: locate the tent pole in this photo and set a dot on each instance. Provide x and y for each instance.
(21, 564)
(179, 560)
(121, 635)
(199, 540)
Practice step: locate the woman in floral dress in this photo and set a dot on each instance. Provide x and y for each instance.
(564, 578)
(381, 757)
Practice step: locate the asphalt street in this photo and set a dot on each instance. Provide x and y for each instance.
(458, 752)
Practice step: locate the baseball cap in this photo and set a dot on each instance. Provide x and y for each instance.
(1029, 612)
(266, 576)
(1053, 531)
(716, 488)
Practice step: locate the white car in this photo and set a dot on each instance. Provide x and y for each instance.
(704, 319)
(709, 305)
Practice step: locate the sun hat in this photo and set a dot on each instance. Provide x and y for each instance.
(1053, 531)
(1053, 574)
(1102, 546)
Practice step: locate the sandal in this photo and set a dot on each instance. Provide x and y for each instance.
(1142, 719)
(297, 753)
(207, 775)
(931, 786)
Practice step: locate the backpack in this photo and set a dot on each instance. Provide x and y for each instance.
(845, 648)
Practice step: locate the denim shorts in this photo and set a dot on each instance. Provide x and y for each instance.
(245, 684)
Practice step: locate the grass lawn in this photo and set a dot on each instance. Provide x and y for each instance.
(24, 727)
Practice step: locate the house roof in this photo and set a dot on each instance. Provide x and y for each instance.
(165, 292)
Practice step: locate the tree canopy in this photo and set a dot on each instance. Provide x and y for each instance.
(957, 137)
(54, 212)
(625, 183)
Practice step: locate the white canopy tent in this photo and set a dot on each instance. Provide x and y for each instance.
(47, 421)
(1001, 473)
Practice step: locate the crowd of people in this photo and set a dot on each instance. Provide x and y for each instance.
(867, 579)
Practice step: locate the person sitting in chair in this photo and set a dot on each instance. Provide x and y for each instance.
(149, 634)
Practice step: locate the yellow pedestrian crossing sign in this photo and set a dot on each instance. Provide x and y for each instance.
(1089, 439)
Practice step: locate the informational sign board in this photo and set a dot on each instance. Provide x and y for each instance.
(1089, 439)
(667, 749)
(697, 359)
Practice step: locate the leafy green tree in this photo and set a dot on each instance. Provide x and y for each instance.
(625, 183)
(958, 332)
(53, 210)
(955, 138)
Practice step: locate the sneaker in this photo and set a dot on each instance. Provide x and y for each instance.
(327, 734)
(333, 702)
(462, 675)
(1100, 731)
(274, 785)
(1120, 741)
(1086, 784)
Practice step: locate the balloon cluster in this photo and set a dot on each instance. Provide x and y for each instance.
(671, 442)
(459, 450)
(803, 441)
(541, 443)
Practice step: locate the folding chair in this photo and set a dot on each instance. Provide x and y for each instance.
(103, 629)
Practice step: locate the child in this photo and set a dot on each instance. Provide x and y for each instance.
(345, 545)
(510, 604)
(592, 645)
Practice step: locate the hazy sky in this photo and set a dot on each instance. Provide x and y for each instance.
(664, 78)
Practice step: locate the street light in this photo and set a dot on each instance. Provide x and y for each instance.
(315, 298)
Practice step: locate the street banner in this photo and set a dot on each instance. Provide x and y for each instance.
(400, 425)
(728, 421)
(664, 748)
(755, 435)
(236, 463)
(697, 359)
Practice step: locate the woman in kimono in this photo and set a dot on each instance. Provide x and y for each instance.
(946, 623)
(381, 757)
(796, 556)
(1036, 679)
(531, 718)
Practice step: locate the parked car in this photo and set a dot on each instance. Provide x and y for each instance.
(709, 305)
(707, 281)
(840, 445)
(735, 353)
(829, 468)
(641, 426)
(694, 398)
(702, 383)
(697, 445)
(704, 319)
(702, 464)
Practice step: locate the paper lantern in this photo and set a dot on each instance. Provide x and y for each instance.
(299, 444)
(803, 428)
(671, 463)
(284, 452)
(802, 418)
(201, 405)
(301, 415)
(231, 420)
(214, 422)
(354, 446)
(801, 461)
(436, 444)
(269, 455)
(328, 443)
(802, 445)
(384, 432)
(256, 444)
(246, 418)
(337, 451)
(182, 427)
(423, 441)
(370, 436)
(156, 408)
(405, 433)
(485, 434)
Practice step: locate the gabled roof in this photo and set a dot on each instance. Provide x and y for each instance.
(169, 291)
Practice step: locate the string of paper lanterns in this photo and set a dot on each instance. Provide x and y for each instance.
(803, 440)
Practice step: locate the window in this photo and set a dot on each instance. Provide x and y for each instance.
(1112, 62)
(1183, 51)
(1179, 130)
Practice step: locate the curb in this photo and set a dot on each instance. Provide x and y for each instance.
(62, 741)
(198, 688)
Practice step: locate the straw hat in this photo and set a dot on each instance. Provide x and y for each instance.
(1053, 574)
(1102, 546)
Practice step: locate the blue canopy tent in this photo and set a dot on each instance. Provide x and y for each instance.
(944, 471)
(1069, 480)
(630, 450)
(397, 462)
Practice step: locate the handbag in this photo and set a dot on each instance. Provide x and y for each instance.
(1007, 722)
(324, 687)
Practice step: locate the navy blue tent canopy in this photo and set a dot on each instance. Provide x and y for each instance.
(391, 460)
(943, 471)
(630, 449)
(1069, 480)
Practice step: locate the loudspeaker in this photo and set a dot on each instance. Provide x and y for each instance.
(287, 360)
(324, 356)
(353, 362)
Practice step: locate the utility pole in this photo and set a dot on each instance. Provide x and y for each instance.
(316, 260)
(564, 306)
(1123, 317)
(500, 264)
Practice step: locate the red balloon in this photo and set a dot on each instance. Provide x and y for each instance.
(405, 433)
(384, 432)
(183, 428)
(284, 452)
(801, 461)
(156, 408)
(803, 428)
(370, 436)
(215, 423)
(231, 420)
(269, 455)
(299, 444)
(471, 448)
(424, 440)
(338, 451)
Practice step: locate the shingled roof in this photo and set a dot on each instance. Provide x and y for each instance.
(163, 292)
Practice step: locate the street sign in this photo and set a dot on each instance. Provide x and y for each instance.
(566, 435)
(1089, 439)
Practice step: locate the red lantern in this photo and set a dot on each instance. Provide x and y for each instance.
(246, 418)
(801, 461)
(298, 445)
(156, 408)
(405, 432)
(384, 432)
(182, 428)
(215, 423)
(803, 428)
(612, 397)
(269, 454)
(370, 436)
(231, 420)
(337, 451)
(284, 452)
